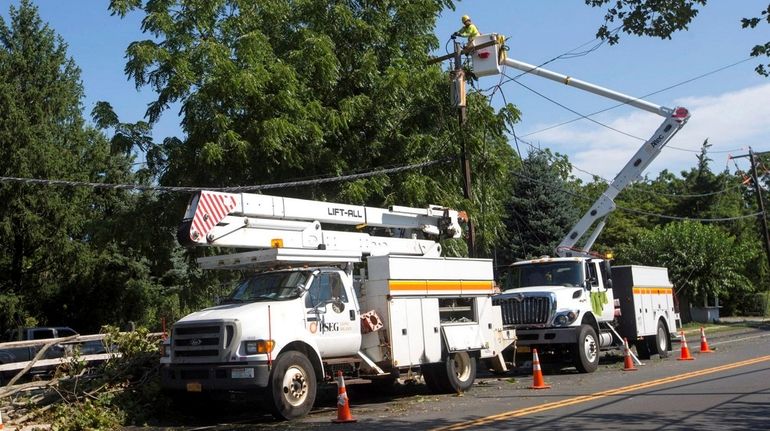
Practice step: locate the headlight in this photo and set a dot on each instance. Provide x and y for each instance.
(565, 318)
(258, 346)
(165, 349)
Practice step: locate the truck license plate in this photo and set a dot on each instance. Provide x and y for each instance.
(523, 349)
(243, 373)
(194, 387)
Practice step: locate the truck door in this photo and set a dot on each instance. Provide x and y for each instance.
(332, 316)
(602, 300)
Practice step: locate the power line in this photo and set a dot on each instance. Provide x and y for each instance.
(687, 81)
(236, 189)
(663, 216)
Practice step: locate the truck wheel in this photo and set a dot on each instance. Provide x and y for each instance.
(661, 340)
(586, 353)
(292, 386)
(457, 373)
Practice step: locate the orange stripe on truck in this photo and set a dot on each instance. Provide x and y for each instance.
(430, 285)
(652, 291)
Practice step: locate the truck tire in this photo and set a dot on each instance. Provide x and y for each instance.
(292, 386)
(455, 375)
(662, 345)
(586, 353)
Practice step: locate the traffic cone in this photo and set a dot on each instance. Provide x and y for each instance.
(628, 362)
(685, 351)
(537, 373)
(343, 404)
(704, 345)
(1, 421)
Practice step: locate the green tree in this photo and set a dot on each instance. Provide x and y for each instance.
(702, 260)
(542, 207)
(661, 19)
(67, 255)
(275, 91)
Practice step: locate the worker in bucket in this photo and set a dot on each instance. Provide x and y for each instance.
(468, 29)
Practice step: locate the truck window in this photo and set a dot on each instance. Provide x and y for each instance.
(66, 332)
(42, 334)
(327, 286)
(592, 274)
(558, 273)
(266, 286)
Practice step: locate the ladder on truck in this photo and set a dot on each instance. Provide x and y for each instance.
(255, 221)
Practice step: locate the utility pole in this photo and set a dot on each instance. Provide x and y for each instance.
(458, 98)
(760, 202)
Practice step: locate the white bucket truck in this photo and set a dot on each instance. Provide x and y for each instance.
(303, 312)
(576, 303)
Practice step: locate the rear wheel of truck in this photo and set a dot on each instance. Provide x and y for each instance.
(456, 374)
(586, 353)
(292, 386)
(662, 345)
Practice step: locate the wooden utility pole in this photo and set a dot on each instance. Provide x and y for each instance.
(760, 202)
(458, 93)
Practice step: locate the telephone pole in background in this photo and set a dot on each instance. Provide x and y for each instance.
(760, 202)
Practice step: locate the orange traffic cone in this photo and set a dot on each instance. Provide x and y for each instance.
(1, 421)
(537, 373)
(685, 351)
(704, 345)
(343, 404)
(628, 362)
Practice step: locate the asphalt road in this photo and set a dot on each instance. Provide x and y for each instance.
(728, 389)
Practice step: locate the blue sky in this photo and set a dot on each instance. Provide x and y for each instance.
(729, 107)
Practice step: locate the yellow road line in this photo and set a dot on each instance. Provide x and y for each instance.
(598, 395)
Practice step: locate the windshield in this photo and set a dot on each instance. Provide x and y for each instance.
(280, 285)
(569, 274)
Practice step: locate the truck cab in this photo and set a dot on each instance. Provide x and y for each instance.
(559, 302)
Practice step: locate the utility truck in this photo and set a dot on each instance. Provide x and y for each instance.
(576, 303)
(309, 307)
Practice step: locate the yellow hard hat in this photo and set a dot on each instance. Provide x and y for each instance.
(465, 18)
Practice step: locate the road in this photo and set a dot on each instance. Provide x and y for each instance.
(728, 389)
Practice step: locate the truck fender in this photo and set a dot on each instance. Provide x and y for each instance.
(310, 352)
(590, 319)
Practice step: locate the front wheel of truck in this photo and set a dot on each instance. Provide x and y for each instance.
(586, 353)
(292, 386)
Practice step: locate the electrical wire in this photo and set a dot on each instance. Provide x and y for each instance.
(236, 189)
(650, 214)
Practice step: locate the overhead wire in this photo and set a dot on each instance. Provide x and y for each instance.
(650, 214)
(234, 189)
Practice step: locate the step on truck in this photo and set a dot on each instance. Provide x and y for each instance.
(317, 301)
(576, 303)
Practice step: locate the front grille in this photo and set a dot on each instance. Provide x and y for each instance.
(202, 342)
(525, 311)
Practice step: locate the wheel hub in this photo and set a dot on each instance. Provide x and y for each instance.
(295, 386)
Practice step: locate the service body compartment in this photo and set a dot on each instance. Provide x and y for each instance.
(645, 295)
(426, 300)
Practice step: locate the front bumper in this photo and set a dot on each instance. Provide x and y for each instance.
(528, 337)
(214, 377)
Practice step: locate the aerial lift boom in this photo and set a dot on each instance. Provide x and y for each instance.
(489, 58)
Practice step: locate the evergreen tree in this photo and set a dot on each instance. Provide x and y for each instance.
(542, 208)
(64, 258)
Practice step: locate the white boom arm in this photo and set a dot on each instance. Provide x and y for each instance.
(255, 221)
(488, 60)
